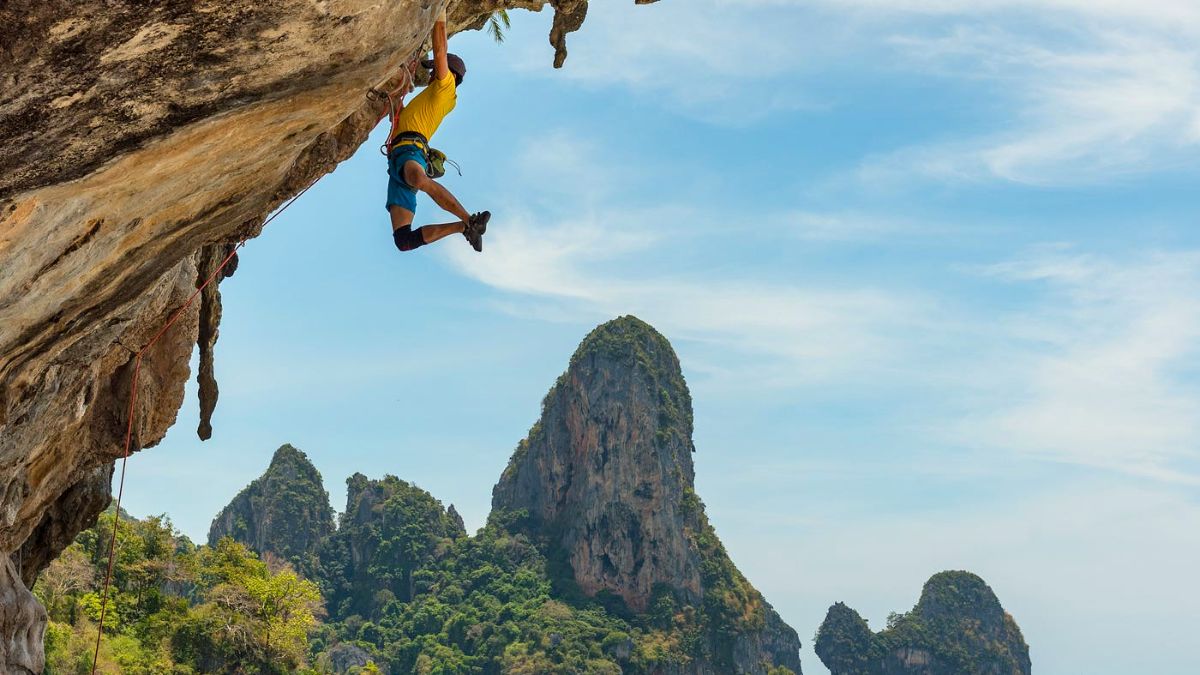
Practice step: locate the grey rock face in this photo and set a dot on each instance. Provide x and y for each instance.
(607, 466)
(606, 476)
(345, 656)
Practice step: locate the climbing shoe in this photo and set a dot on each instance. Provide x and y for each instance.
(475, 228)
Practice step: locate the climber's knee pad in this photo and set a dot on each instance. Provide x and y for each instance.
(407, 238)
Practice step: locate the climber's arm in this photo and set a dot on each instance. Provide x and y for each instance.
(441, 67)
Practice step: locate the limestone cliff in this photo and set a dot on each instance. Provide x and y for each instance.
(139, 141)
(285, 512)
(606, 477)
(957, 628)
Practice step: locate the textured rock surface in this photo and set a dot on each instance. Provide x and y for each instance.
(211, 260)
(136, 136)
(606, 475)
(957, 628)
(606, 468)
(284, 512)
(22, 624)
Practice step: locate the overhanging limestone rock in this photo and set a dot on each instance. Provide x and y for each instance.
(136, 136)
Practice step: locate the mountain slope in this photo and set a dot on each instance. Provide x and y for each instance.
(284, 512)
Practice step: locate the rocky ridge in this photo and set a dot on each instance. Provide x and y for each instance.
(140, 142)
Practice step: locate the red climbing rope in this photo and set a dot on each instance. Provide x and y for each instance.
(137, 368)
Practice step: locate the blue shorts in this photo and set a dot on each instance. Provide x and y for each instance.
(399, 193)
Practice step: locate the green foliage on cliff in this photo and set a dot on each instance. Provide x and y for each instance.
(285, 512)
(957, 627)
(173, 607)
(484, 605)
(404, 586)
(489, 604)
(731, 606)
(403, 589)
(845, 643)
(404, 583)
(630, 340)
(389, 530)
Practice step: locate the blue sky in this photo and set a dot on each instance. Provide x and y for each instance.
(932, 268)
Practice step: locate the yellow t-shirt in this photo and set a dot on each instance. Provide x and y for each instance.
(424, 114)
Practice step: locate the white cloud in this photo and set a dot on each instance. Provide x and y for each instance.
(1090, 355)
(1181, 15)
(1101, 363)
(709, 59)
(1085, 90)
(1123, 101)
(814, 331)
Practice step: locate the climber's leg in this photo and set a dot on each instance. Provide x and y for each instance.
(407, 239)
(415, 176)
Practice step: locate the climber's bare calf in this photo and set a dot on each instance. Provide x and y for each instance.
(402, 218)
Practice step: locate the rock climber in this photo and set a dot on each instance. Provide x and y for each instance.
(408, 161)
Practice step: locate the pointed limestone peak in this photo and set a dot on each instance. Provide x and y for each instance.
(605, 481)
(287, 454)
(284, 512)
(629, 357)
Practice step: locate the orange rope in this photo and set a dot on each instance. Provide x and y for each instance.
(137, 368)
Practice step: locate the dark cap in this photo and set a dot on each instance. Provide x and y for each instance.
(457, 66)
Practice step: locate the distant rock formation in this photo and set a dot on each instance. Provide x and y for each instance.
(957, 628)
(285, 512)
(596, 539)
(388, 530)
(606, 478)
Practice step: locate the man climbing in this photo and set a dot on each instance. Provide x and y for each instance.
(408, 161)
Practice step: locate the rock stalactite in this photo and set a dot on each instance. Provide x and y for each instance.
(211, 258)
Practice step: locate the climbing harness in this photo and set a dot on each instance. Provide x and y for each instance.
(137, 368)
(435, 160)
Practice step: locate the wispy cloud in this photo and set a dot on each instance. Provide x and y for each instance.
(1096, 105)
(585, 261)
(718, 61)
(1077, 91)
(1101, 364)
(1090, 355)
(578, 256)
